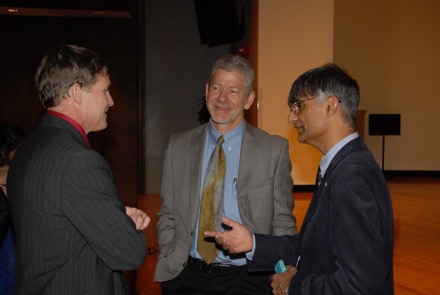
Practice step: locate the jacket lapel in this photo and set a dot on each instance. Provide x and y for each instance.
(246, 169)
(196, 158)
(355, 144)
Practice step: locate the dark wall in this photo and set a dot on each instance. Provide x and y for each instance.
(177, 68)
(158, 70)
(25, 40)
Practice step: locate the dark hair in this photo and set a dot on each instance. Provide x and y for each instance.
(329, 79)
(63, 67)
(10, 137)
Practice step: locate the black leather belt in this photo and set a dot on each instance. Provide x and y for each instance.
(213, 267)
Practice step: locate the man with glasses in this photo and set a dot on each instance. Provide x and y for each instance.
(345, 245)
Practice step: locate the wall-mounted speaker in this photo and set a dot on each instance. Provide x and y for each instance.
(384, 124)
(218, 21)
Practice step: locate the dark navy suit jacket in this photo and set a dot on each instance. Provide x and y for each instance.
(73, 235)
(345, 244)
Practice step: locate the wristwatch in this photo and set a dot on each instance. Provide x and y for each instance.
(287, 290)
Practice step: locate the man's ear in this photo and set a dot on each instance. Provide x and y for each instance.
(206, 90)
(76, 93)
(333, 105)
(250, 100)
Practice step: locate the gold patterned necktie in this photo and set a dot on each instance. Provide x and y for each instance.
(212, 197)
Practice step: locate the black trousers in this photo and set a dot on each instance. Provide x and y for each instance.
(194, 280)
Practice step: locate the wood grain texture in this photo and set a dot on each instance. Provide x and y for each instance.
(417, 235)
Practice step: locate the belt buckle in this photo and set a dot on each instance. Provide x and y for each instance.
(220, 267)
(210, 268)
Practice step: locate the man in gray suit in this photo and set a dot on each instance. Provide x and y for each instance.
(74, 235)
(257, 189)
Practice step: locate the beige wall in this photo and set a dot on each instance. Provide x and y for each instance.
(293, 37)
(391, 47)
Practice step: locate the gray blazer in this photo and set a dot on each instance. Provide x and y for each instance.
(73, 235)
(264, 192)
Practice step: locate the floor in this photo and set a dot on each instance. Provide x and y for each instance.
(417, 236)
(416, 205)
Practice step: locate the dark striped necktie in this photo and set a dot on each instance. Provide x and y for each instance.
(318, 177)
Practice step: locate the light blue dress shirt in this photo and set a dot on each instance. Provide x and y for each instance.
(232, 149)
(327, 159)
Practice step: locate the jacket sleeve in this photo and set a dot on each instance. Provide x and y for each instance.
(269, 249)
(90, 202)
(284, 222)
(165, 224)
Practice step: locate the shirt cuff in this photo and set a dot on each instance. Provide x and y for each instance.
(250, 255)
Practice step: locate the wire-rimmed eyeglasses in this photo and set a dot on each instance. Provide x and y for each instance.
(297, 105)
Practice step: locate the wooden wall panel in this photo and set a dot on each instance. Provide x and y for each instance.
(25, 40)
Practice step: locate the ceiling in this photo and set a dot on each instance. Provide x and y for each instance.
(64, 8)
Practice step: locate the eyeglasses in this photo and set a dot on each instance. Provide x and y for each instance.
(297, 106)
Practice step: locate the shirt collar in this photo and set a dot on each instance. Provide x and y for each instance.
(326, 160)
(72, 122)
(213, 133)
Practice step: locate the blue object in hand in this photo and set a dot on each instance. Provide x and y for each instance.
(280, 267)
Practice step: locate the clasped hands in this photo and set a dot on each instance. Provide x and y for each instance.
(140, 218)
(240, 240)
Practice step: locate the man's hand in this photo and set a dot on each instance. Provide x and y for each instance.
(140, 218)
(281, 281)
(237, 240)
(3, 176)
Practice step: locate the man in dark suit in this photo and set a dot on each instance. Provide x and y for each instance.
(257, 189)
(345, 245)
(74, 235)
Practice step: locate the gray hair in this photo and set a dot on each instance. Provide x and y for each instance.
(234, 62)
(63, 67)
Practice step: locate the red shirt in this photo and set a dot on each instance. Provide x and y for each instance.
(71, 121)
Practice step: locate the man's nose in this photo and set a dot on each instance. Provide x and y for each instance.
(110, 100)
(223, 95)
(292, 117)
